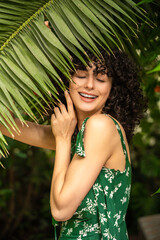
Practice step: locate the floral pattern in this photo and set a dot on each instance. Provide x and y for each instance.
(101, 214)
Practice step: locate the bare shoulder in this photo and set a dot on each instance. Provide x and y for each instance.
(100, 123)
(101, 129)
(100, 132)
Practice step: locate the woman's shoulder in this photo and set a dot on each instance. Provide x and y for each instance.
(100, 124)
(100, 131)
(100, 121)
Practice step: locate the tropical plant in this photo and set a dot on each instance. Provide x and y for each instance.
(146, 141)
(26, 181)
(31, 53)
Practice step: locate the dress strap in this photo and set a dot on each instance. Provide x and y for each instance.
(79, 145)
(55, 224)
(121, 137)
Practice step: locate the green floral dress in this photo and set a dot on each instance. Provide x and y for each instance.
(101, 214)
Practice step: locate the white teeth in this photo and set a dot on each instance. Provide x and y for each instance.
(87, 95)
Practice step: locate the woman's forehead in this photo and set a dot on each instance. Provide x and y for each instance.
(92, 67)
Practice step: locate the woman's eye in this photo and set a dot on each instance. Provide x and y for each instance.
(81, 76)
(100, 80)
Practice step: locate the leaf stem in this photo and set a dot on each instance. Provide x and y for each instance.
(40, 10)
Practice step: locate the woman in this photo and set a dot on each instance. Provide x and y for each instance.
(90, 188)
(90, 194)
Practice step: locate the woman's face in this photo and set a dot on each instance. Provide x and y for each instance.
(90, 91)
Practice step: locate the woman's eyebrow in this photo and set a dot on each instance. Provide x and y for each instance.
(81, 71)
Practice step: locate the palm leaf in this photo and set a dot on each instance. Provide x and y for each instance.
(30, 53)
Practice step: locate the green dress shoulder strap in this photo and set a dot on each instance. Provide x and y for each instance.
(78, 146)
(122, 139)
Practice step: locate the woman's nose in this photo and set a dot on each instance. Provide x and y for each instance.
(90, 82)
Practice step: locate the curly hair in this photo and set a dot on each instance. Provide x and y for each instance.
(126, 101)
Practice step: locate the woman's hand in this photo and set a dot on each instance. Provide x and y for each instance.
(63, 122)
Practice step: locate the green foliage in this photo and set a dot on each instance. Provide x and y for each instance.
(156, 69)
(145, 151)
(30, 53)
(25, 184)
(24, 193)
(158, 191)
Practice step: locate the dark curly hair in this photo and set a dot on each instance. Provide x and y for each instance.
(126, 101)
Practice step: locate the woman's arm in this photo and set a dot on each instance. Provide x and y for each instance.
(72, 181)
(35, 135)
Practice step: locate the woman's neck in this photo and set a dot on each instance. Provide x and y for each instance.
(81, 116)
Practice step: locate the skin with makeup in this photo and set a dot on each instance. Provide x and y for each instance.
(105, 157)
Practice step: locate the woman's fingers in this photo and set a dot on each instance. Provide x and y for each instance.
(57, 112)
(69, 103)
(60, 111)
(64, 121)
(53, 117)
(63, 109)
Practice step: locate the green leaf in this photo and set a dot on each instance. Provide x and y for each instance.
(6, 191)
(89, 14)
(3, 143)
(156, 69)
(22, 76)
(78, 27)
(63, 28)
(67, 43)
(50, 36)
(144, 1)
(31, 53)
(158, 191)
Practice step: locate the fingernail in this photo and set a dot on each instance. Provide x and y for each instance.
(66, 92)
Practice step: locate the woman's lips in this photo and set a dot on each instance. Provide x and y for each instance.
(86, 97)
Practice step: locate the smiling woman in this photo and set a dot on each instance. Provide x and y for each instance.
(90, 190)
(89, 91)
(125, 100)
(91, 179)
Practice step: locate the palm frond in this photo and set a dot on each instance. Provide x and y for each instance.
(31, 53)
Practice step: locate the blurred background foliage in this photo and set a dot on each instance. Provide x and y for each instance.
(24, 193)
(25, 183)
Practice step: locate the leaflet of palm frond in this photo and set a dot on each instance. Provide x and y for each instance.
(77, 27)
(18, 74)
(117, 21)
(91, 29)
(50, 37)
(66, 42)
(41, 57)
(117, 7)
(3, 150)
(103, 17)
(32, 66)
(129, 7)
(6, 97)
(64, 33)
(14, 96)
(20, 85)
(83, 41)
(52, 53)
(19, 12)
(7, 117)
(31, 53)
